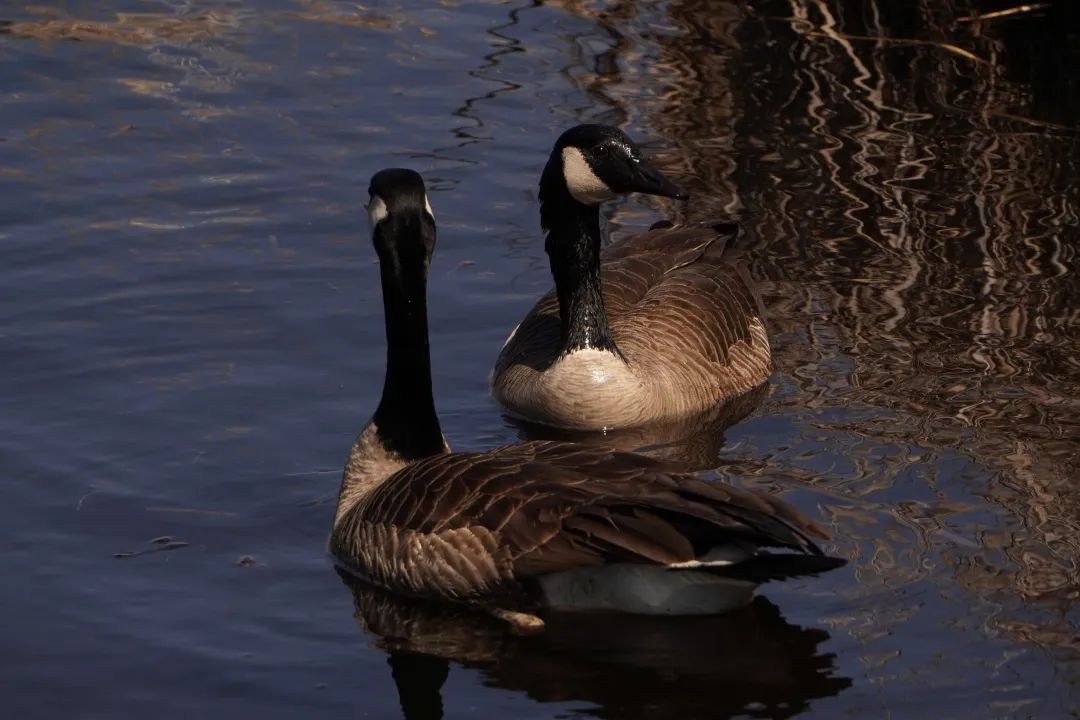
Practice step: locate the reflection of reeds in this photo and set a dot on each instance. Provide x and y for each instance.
(1007, 12)
(151, 29)
(127, 28)
(916, 219)
(329, 12)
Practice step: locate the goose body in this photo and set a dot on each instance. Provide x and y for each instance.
(656, 327)
(687, 326)
(542, 523)
(563, 525)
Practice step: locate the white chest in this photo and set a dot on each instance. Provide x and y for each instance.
(591, 389)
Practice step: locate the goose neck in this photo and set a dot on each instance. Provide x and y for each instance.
(573, 248)
(405, 418)
(405, 427)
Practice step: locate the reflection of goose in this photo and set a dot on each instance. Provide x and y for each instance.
(666, 326)
(632, 667)
(540, 523)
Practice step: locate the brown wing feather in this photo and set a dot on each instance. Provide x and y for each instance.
(704, 305)
(460, 525)
(634, 265)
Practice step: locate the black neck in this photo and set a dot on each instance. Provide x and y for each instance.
(573, 248)
(406, 419)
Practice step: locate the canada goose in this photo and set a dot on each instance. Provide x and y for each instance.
(538, 523)
(654, 327)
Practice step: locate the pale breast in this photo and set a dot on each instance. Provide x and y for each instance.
(370, 462)
(585, 389)
(595, 390)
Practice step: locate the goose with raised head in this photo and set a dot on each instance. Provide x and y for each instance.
(654, 327)
(539, 523)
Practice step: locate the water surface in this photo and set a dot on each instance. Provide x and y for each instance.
(192, 335)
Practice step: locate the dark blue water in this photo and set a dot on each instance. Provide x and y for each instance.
(191, 336)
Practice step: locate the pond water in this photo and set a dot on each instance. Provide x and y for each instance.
(192, 335)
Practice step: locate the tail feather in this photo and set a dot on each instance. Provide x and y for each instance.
(764, 567)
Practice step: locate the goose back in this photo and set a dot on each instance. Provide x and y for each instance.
(466, 526)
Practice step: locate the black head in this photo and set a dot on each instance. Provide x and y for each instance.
(598, 162)
(402, 223)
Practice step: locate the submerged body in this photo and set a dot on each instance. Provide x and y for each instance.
(687, 327)
(645, 590)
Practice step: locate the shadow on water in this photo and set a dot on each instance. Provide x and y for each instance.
(750, 663)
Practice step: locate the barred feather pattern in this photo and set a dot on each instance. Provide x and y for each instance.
(684, 315)
(462, 526)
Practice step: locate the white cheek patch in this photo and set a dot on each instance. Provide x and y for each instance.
(581, 181)
(427, 206)
(377, 211)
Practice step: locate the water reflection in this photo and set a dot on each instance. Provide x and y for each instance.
(752, 662)
(180, 238)
(918, 236)
(695, 442)
(910, 190)
(125, 28)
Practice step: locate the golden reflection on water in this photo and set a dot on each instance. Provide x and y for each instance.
(916, 222)
(919, 249)
(124, 28)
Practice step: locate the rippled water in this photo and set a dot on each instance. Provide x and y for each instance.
(192, 335)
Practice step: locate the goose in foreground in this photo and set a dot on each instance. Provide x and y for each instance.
(539, 523)
(655, 327)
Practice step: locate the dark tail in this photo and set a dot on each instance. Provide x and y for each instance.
(764, 567)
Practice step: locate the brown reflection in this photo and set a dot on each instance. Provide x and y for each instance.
(622, 666)
(127, 28)
(915, 217)
(331, 12)
(693, 442)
